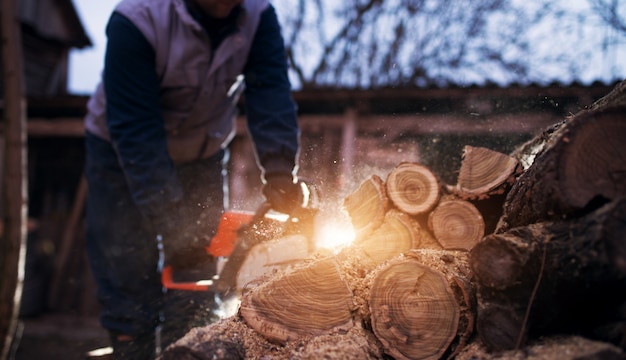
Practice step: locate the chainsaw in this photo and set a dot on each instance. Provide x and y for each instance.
(249, 244)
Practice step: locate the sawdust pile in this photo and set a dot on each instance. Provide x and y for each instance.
(231, 338)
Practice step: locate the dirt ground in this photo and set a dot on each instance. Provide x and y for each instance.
(67, 337)
(58, 337)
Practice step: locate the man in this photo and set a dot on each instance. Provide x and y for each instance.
(157, 131)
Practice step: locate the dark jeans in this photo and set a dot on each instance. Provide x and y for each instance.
(122, 248)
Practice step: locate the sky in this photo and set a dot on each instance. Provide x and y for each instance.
(86, 64)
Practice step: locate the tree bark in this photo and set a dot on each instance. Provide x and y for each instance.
(581, 166)
(569, 276)
(615, 98)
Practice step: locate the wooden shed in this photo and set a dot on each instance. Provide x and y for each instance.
(50, 30)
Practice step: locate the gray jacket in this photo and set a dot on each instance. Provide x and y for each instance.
(197, 107)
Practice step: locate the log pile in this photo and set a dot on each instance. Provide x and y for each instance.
(525, 245)
(556, 262)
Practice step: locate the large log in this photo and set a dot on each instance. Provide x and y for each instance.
(580, 165)
(564, 276)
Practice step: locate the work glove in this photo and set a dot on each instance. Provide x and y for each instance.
(282, 192)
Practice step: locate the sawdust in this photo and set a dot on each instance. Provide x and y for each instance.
(232, 338)
(550, 348)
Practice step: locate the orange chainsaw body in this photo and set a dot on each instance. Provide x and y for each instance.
(237, 232)
(226, 236)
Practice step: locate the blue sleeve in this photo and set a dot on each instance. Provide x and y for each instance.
(134, 119)
(270, 108)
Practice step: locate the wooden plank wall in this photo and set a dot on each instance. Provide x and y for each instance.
(340, 151)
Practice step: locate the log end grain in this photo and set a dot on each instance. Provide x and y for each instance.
(414, 312)
(457, 224)
(397, 234)
(313, 300)
(413, 188)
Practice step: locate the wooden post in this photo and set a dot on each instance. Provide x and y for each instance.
(349, 135)
(15, 198)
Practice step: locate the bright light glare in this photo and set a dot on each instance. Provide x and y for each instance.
(227, 306)
(100, 352)
(334, 234)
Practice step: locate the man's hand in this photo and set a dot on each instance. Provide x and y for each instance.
(283, 194)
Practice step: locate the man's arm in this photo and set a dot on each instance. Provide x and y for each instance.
(134, 118)
(271, 111)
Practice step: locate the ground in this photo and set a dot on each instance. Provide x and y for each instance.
(67, 337)
(59, 337)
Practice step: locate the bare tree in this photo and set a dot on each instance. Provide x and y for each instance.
(609, 12)
(378, 43)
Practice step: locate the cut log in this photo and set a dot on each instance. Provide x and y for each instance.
(582, 163)
(310, 301)
(615, 98)
(270, 256)
(397, 234)
(454, 265)
(570, 274)
(414, 312)
(413, 188)
(367, 205)
(456, 224)
(485, 172)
